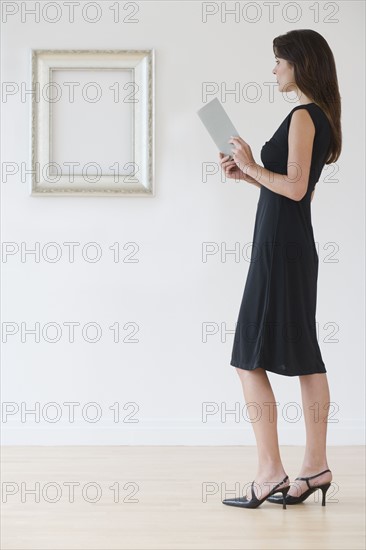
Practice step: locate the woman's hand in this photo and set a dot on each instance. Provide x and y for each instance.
(242, 154)
(233, 171)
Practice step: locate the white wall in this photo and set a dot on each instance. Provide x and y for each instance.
(170, 372)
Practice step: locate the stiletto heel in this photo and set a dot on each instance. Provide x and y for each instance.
(255, 502)
(295, 500)
(324, 489)
(284, 494)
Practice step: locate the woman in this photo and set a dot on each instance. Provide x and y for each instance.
(276, 329)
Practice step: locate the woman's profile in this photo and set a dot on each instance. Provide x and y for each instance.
(276, 327)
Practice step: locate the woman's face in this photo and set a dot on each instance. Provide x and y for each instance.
(285, 75)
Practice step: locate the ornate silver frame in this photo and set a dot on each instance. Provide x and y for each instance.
(140, 182)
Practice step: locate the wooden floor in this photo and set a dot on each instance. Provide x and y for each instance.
(170, 498)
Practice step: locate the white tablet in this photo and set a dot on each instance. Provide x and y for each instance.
(218, 124)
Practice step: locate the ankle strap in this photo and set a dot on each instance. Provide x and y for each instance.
(312, 477)
(275, 487)
(280, 483)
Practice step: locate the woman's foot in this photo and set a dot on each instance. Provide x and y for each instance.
(299, 486)
(265, 481)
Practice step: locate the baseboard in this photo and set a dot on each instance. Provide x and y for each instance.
(173, 432)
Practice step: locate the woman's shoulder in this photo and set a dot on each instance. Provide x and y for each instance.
(311, 107)
(315, 111)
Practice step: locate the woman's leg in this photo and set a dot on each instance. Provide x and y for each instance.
(315, 401)
(263, 416)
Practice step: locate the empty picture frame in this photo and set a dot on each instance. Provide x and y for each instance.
(92, 122)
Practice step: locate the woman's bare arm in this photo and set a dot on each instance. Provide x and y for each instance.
(233, 171)
(254, 182)
(300, 139)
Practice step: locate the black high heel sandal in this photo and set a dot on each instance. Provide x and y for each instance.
(255, 502)
(290, 499)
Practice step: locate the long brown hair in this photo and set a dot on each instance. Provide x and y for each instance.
(315, 75)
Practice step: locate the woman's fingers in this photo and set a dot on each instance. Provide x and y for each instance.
(224, 162)
(227, 165)
(230, 170)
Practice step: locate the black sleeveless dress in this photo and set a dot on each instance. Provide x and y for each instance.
(276, 328)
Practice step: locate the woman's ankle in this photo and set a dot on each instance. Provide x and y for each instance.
(313, 469)
(271, 472)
